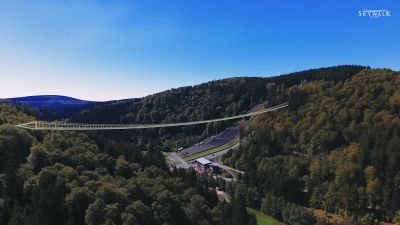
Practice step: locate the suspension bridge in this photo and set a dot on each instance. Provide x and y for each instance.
(42, 125)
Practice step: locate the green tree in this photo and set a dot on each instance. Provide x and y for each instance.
(78, 201)
(396, 218)
(137, 213)
(95, 213)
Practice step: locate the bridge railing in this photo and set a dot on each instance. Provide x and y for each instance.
(42, 125)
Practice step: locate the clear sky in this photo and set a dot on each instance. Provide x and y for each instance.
(110, 49)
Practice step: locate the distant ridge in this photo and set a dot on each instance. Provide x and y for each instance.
(54, 107)
(51, 101)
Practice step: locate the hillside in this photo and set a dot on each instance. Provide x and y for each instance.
(15, 113)
(335, 148)
(208, 100)
(205, 101)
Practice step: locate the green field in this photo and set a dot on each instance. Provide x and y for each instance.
(263, 219)
(213, 150)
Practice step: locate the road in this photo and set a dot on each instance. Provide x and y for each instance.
(215, 157)
(178, 162)
(228, 168)
(220, 153)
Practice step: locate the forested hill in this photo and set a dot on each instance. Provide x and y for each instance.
(205, 101)
(336, 148)
(15, 113)
(69, 180)
(208, 100)
(51, 101)
(53, 107)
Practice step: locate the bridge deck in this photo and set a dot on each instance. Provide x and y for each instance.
(41, 125)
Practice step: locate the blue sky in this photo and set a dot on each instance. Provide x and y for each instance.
(102, 50)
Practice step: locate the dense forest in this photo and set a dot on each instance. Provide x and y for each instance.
(67, 179)
(206, 101)
(210, 100)
(335, 148)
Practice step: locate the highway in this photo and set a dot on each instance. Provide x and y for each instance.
(42, 125)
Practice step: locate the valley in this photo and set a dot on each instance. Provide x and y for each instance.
(333, 149)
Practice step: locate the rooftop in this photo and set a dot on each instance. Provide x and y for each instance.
(203, 161)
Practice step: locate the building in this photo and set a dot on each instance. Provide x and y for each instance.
(204, 165)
